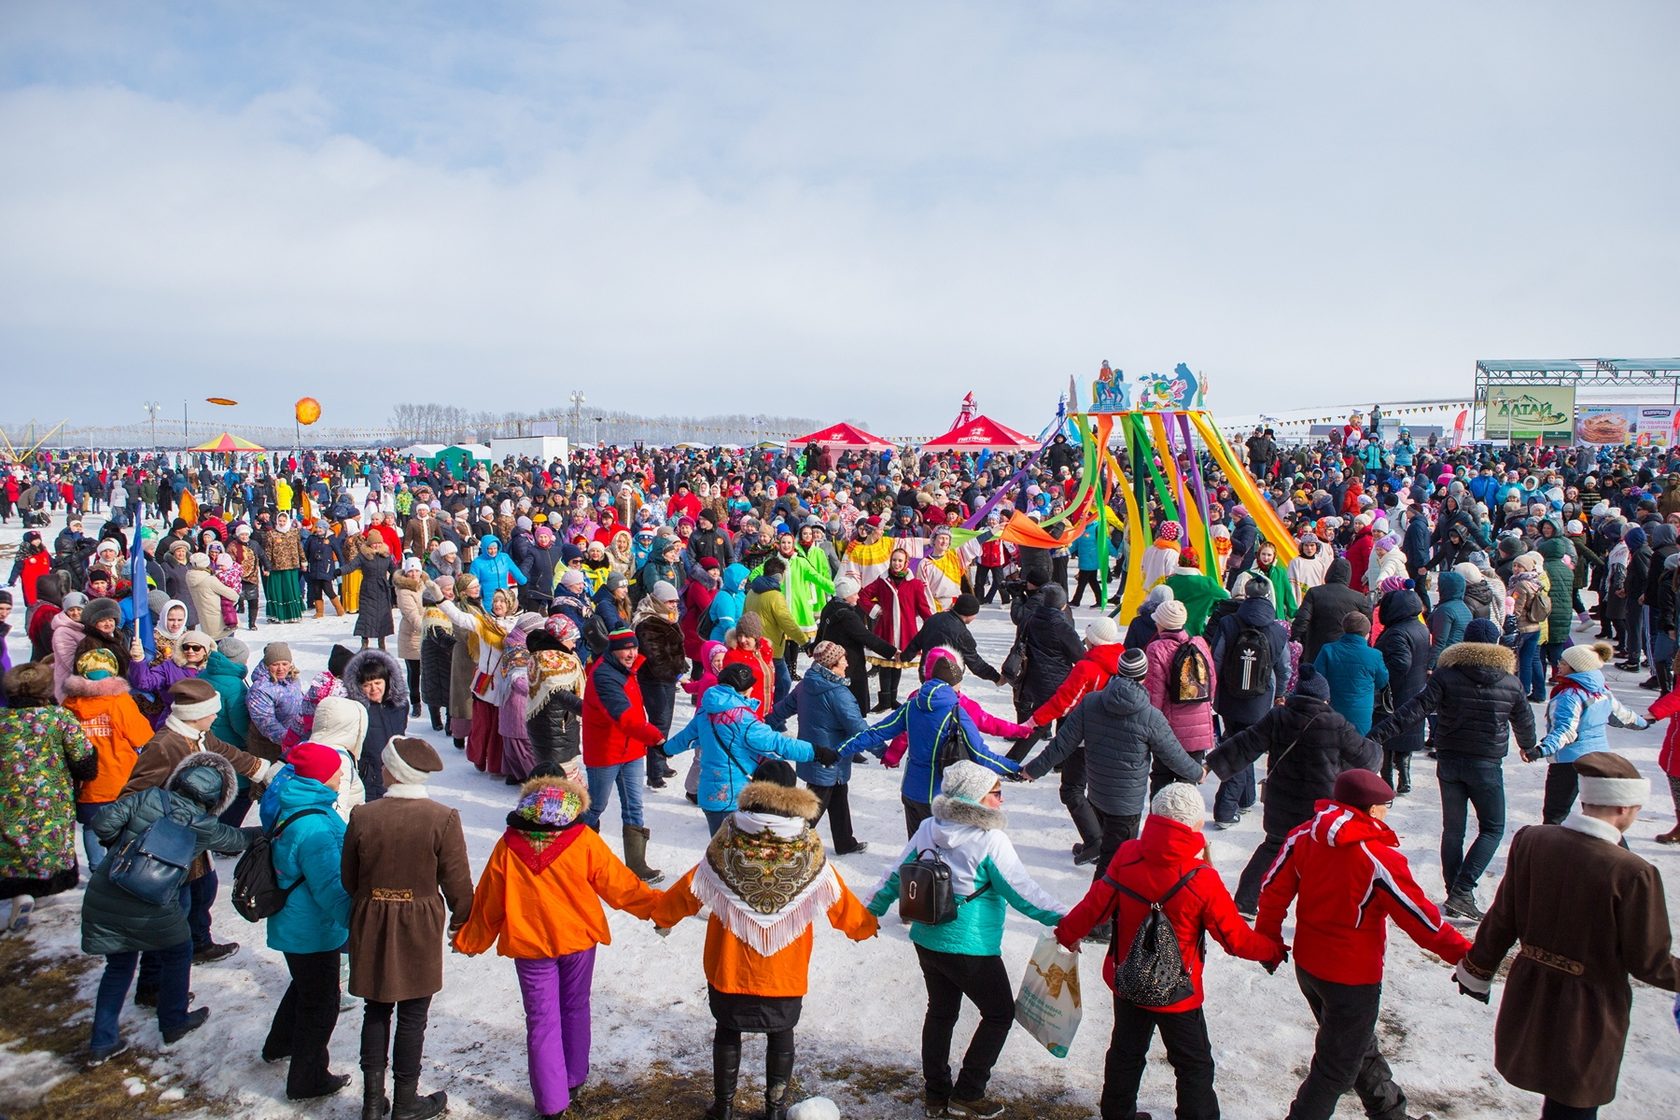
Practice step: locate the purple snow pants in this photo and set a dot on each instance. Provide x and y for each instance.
(556, 994)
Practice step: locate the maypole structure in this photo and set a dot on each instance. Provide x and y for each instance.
(1165, 433)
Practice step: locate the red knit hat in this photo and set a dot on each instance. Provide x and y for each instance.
(312, 760)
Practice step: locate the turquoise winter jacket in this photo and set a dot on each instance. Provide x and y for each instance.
(732, 741)
(316, 917)
(987, 878)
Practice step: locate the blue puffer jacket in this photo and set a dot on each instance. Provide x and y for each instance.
(316, 917)
(987, 878)
(926, 717)
(1356, 673)
(1085, 548)
(729, 603)
(1576, 716)
(494, 572)
(828, 716)
(732, 741)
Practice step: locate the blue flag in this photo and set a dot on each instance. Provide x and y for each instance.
(137, 594)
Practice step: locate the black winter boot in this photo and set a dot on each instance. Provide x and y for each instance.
(375, 1104)
(726, 1072)
(778, 1073)
(410, 1105)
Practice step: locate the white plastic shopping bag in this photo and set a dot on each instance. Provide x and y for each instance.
(1048, 1006)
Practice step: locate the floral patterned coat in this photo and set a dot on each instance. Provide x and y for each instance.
(43, 753)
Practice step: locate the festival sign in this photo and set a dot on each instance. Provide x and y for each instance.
(1617, 424)
(1531, 411)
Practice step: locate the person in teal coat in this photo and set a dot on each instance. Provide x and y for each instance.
(312, 928)
(963, 957)
(1354, 671)
(493, 569)
(732, 741)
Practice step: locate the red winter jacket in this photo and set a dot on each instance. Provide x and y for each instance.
(1665, 707)
(1089, 675)
(615, 723)
(1359, 557)
(1150, 866)
(1347, 869)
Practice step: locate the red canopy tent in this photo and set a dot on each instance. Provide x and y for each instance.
(982, 433)
(843, 437)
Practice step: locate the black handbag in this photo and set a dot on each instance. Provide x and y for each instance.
(153, 866)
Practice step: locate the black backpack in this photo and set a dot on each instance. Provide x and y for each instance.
(1153, 972)
(596, 634)
(1247, 668)
(1189, 676)
(924, 890)
(257, 893)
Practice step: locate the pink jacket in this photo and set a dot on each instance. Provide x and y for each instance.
(1192, 723)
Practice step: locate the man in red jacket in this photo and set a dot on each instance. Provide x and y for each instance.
(1169, 853)
(1347, 877)
(616, 738)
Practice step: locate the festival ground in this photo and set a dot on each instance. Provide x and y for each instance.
(859, 1040)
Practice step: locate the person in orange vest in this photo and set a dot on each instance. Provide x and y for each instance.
(539, 902)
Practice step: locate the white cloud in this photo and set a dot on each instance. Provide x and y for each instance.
(859, 211)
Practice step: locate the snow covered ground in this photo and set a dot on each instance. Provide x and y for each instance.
(866, 1000)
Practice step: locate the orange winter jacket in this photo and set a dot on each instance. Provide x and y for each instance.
(117, 730)
(534, 904)
(734, 966)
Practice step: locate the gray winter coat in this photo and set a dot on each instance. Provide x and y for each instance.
(200, 787)
(1121, 732)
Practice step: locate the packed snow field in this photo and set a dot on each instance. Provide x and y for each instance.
(866, 1000)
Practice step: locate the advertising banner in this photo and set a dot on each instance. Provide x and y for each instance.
(1529, 411)
(1644, 424)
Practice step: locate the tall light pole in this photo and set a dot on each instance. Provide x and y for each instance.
(152, 409)
(577, 400)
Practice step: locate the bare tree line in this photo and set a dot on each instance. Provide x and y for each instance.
(444, 423)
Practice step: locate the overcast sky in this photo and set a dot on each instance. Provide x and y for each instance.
(826, 210)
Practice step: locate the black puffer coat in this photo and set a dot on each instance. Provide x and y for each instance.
(1319, 621)
(386, 719)
(1476, 700)
(1121, 733)
(1404, 645)
(377, 597)
(201, 786)
(1307, 744)
(436, 649)
(1259, 614)
(1051, 645)
(553, 722)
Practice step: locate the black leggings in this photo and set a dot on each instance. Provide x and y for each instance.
(413, 665)
(1086, 578)
(411, 1035)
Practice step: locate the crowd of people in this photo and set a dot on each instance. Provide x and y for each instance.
(543, 619)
